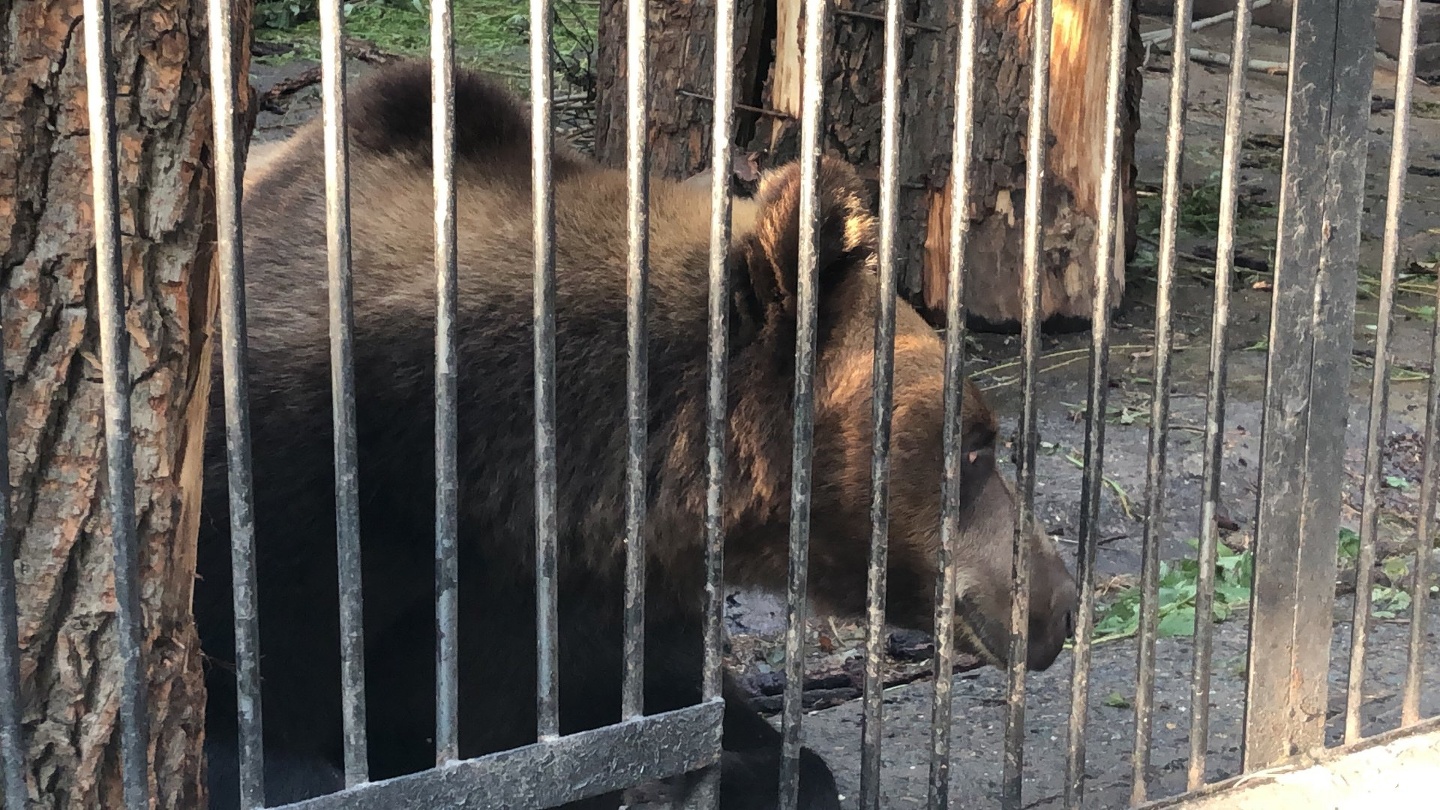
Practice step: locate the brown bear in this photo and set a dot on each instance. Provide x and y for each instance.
(288, 363)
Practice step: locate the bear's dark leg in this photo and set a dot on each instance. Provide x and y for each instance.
(289, 776)
(751, 747)
(750, 767)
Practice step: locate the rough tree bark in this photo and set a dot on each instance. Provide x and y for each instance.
(682, 67)
(767, 84)
(69, 663)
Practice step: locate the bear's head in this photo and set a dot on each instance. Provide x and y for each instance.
(764, 310)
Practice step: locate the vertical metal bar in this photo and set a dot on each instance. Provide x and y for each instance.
(707, 793)
(1160, 405)
(115, 370)
(961, 147)
(1311, 334)
(1424, 542)
(637, 66)
(811, 111)
(1092, 480)
(1424, 546)
(347, 502)
(231, 264)
(12, 741)
(543, 199)
(883, 384)
(1215, 399)
(1037, 129)
(447, 483)
(1380, 390)
(342, 386)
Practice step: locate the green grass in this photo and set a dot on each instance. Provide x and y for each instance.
(492, 34)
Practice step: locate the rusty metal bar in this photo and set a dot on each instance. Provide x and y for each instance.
(447, 476)
(1092, 480)
(1424, 542)
(115, 370)
(816, 13)
(1380, 396)
(706, 795)
(961, 150)
(230, 263)
(883, 385)
(1215, 400)
(637, 149)
(542, 138)
(1036, 132)
(1160, 405)
(342, 386)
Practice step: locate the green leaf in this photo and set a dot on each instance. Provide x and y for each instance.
(1397, 482)
(1395, 568)
(1179, 622)
(1231, 594)
(1349, 544)
(1115, 700)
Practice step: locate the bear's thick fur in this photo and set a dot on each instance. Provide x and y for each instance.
(288, 363)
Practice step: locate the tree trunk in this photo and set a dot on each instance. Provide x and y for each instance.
(769, 49)
(682, 68)
(1074, 163)
(68, 636)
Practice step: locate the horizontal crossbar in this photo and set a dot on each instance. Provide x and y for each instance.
(551, 772)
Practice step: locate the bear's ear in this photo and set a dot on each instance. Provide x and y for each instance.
(979, 435)
(765, 263)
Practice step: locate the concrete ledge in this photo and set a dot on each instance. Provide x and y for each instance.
(1398, 770)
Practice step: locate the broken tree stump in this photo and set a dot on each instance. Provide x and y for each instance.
(768, 52)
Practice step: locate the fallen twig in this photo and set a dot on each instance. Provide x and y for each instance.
(1166, 34)
(283, 89)
(1217, 59)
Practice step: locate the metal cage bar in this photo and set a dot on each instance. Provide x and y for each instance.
(1307, 373)
(961, 151)
(1424, 544)
(543, 199)
(1206, 551)
(816, 14)
(1380, 398)
(342, 386)
(447, 483)
(882, 401)
(1092, 480)
(230, 263)
(115, 372)
(706, 795)
(1160, 403)
(1036, 132)
(637, 171)
(551, 772)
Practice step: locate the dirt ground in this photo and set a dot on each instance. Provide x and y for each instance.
(756, 622)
